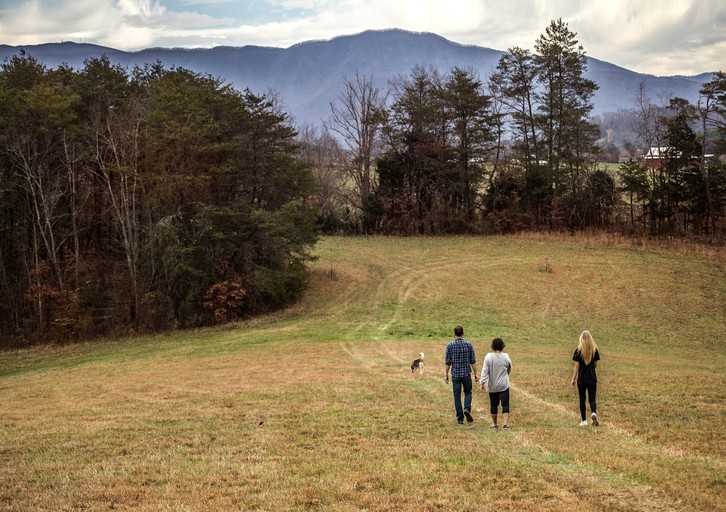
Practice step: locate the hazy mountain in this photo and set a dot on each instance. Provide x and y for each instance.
(308, 75)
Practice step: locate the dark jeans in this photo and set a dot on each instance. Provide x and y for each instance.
(458, 383)
(495, 398)
(591, 390)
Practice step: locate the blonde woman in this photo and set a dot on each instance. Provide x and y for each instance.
(586, 357)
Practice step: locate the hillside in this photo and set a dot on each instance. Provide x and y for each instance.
(309, 75)
(316, 408)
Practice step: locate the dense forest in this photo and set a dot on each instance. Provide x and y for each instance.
(145, 200)
(153, 198)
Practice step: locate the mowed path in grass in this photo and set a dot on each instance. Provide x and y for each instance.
(316, 408)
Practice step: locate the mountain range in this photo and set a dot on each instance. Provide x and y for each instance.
(307, 76)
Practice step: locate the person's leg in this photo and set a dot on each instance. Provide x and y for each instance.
(504, 397)
(494, 407)
(581, 390)
(466, 383)
(456, 385)
(592, 396)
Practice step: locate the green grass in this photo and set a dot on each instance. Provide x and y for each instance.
(315, 408)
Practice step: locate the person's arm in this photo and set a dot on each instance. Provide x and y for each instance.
(446, 377)
(472, 362)
(574, 373)
(484, 374)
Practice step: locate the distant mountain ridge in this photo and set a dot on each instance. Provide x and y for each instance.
(309, 75)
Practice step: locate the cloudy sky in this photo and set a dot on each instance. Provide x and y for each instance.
(662, 37)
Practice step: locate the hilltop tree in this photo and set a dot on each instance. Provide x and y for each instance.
(549, 103)
(515, 79)
(564, 103)
(470, 140)
(412, 172)
(711, 109)
(439, 134)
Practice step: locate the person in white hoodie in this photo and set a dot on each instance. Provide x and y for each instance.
(495, 373)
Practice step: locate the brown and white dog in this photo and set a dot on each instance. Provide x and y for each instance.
(418, 364)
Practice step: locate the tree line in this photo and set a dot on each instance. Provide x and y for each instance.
(155, 198)
(144, 200)
(443, 154)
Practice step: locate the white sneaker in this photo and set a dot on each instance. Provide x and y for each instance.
(583, 423)
(595, 423)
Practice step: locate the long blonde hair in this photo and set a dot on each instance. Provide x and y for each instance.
(586, 346)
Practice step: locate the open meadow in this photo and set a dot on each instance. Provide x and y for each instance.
(316, 408)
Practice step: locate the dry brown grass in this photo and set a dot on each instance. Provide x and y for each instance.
(712, 247)
(317, 409)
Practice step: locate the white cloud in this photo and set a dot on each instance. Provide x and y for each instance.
(144, 8)
(657, 36)
(435, 16)
(304, 4)
(38, 22)
(122, 24)
(205, 2)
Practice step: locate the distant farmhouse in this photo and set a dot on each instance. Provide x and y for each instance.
(657, 157)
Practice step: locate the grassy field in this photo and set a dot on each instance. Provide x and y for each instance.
(316, 408)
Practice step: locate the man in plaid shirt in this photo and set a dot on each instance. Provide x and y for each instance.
(461, 361)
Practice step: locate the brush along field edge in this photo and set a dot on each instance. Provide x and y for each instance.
(316, 407)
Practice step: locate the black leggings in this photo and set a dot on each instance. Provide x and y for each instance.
(495, 398)
(591, 390)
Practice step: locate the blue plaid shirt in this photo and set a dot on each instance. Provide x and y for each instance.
(460, 355)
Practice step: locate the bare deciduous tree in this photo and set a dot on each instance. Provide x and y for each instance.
(328, 161)
(357, 116)
(116, 137)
